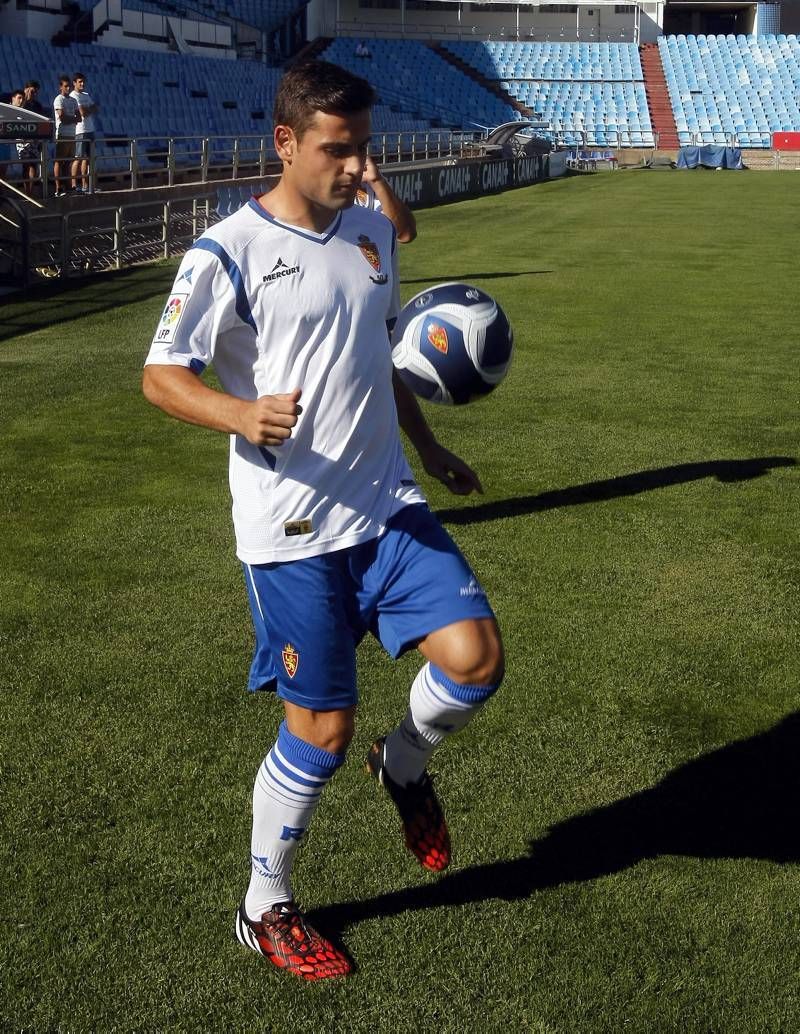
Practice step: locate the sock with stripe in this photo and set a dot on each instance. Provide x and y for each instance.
(438, 707)
(287, 789)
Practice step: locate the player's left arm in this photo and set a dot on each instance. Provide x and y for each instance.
(392, 207)
(439, 462)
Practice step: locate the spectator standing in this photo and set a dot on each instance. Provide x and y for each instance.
(9, 151)
(67, 116)
(31, 101)
(84, 130)
(29, 151)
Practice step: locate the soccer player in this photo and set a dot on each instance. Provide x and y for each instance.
(290, 298)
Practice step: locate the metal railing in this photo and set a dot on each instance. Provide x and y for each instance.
(522, 30)
(747, 138)
(601, 136)
(73, 243)
(127, 163)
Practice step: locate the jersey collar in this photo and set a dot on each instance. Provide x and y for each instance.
(309, 235)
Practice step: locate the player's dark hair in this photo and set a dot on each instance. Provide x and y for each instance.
(33, 84)
(313, 86)
(78, 75)
(64, 79)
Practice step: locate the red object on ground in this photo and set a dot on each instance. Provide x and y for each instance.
(786, 141)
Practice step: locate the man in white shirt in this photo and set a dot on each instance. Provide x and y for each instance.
(84, 130)
(290, 299)
(67, 116)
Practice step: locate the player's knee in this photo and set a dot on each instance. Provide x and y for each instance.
(473, 655)
(330, 730)
(336, 737)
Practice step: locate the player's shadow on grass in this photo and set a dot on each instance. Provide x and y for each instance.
(735, 802)
(615, 488)
(467, 278)
(64, 300)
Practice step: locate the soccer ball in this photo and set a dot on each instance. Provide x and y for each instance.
(452, 343)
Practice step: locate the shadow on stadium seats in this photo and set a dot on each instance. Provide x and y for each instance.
(734, 802)
(63, 301)
(615, 488)
(469, 277)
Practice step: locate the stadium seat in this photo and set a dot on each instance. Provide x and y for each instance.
(724, 87)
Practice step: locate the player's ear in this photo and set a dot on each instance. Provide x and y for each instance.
(285, 143)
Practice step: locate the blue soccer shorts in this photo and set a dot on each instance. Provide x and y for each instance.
(310, 615)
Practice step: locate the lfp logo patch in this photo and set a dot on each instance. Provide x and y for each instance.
(173, 310)
(171, 317)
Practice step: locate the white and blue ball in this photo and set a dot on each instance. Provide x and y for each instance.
(452, 343)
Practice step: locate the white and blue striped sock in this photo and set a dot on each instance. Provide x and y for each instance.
(287, 789)
(438, 707)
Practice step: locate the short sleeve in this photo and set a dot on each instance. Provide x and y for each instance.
(200, 306)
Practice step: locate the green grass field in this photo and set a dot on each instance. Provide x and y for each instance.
(624, 812)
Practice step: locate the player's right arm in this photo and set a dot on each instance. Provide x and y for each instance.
(204, 305)
(179, 392)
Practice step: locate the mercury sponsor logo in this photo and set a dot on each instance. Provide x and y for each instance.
(278, 270)
(263, 867)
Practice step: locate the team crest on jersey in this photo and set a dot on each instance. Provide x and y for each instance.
(437, 336)
(170, 318)
(291, 659)
(369, 249)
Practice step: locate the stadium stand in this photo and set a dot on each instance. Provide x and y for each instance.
(410, 77)
(148, 92)
(732, 88)
(266, 16)
(590, 93)
(170, 7)
(257, 13)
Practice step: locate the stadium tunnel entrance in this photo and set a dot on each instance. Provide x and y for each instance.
(699, 19)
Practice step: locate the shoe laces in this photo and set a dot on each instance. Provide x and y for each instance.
(292, 923)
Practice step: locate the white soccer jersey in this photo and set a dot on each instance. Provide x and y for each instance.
(276, 307)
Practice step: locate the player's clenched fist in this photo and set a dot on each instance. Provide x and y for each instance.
(270, 419)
